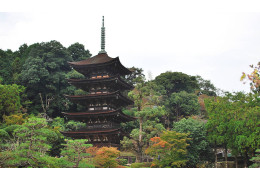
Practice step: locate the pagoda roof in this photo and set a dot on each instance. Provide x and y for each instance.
(80, 115)
(116, 95)
(116, 78)
(101, 59)
(98, 59)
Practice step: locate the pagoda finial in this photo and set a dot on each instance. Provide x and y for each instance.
(102, 38)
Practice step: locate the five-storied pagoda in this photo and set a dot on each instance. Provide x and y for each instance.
(104, 100)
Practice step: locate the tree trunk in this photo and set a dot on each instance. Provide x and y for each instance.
(216, 157)
(139, 154)
(246, 160)
(139, 148)
(236, 161)
(226, 163)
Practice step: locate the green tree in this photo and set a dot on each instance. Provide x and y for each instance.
(199, 150)
(206, 87)
(77, 52)
(10, 99)
(147, 108)
(169, 150)
(6, 58)
(182, 104)
(75, 152)
(135, 76)
(234, 123)
(170, 82)
(44, 75)
(29, 145)
(256, 160)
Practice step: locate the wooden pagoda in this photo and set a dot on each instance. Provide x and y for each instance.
(104, 100)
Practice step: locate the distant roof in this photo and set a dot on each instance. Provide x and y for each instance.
(98, 59)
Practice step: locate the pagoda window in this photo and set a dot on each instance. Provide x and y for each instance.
(91, 109)
(98, 77)
(105, 108)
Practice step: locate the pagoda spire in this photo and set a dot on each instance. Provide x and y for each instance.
(102, 38)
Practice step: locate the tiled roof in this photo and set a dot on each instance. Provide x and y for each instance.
(100, 58)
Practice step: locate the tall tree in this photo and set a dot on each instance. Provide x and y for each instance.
(199, 150)
(182, 104)
(206, 87)
(147, 108)
(170, 82)
(78, 52)
(44, 75)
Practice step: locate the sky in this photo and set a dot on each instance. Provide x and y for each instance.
(217, 40)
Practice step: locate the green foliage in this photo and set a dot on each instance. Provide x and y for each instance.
(234, 122)
(77, 52)
(182, 104)
(256, 160)
(170, 82)
(141, 165)
(169, 150)
(44, 75)
(122, 162)
(10, 99)
(29, 146)
(75, 151)
(198, 149)
(137, 73)
(74, 125)
(206, 87)
(5, 66)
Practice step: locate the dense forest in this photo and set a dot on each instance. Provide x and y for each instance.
(182, 120)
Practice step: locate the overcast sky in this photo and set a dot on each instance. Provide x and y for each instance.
(216, 40)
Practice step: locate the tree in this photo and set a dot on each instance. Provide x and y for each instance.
(256, 160)
(6, 58)
(135, 76)
(206, 87)
(10, 99)
(234, 123)
(170, 82)
(77, 52)
(198, 150)
(169, 150)
(147, 108)
(44, 75)
(182, 104)
(106, 157)
(29, 145)
(75, 151)
(254, 78)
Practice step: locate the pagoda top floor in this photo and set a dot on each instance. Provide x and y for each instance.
(101, 64)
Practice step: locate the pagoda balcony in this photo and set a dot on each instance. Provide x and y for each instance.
(111, 82)
(114, 99)
(113, 115)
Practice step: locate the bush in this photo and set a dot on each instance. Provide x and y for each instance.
(122, 162)
(106, 157)
(141, 165)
